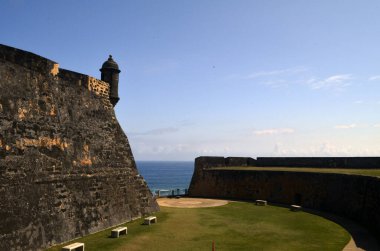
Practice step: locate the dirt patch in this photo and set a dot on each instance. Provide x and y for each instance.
(190, 202)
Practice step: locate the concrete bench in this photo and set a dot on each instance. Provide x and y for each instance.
(261, 202)
(115, 233)
(77, 246)
(295, 208)
(150, 219)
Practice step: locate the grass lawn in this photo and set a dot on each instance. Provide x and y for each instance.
(365, 172)
(235, 226)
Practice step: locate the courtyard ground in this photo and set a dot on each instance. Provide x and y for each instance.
(232, 226)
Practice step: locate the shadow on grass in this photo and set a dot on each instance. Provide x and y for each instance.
(361, 236)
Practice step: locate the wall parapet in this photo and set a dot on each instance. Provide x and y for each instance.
(326, 162)
(46, 66)
(94, 85)
(27, 59)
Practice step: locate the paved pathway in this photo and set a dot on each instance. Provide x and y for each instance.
(190, 202)
(361, 240)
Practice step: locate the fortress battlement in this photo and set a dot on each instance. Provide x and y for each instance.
(46, 66)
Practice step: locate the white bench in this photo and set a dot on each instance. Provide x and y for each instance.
(261, 202)
(295, 208)
(115, 233)
(150, 219)
(77, 246)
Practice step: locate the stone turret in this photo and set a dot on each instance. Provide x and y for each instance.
(110, 74)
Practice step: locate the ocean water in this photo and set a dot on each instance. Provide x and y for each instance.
(166, 175)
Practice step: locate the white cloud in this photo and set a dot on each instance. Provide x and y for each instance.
(358, 102)
(350, 126)
(376, 125)
(322, 149)
(274, 131)
(288, 71)
(331, 149)
(333, 82)
(276, 83)
(297, 75)
(157, 131)
(175, 148)
(374, 78)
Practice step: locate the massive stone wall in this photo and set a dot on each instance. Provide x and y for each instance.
(353, 196)
(66, 167)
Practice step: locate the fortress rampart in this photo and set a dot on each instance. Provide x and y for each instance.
(66, 166)
(353, 196)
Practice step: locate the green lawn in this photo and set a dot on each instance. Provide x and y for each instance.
(366, 172)
(236, 226)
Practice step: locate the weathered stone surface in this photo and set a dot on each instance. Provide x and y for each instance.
(353, 196)
(66, 167)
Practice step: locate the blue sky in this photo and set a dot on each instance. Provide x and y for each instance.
(228, 78)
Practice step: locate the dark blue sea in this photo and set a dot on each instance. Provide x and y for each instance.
(166, 175)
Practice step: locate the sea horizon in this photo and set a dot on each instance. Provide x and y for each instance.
(166, 175)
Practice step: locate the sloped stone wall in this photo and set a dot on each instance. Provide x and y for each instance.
(66, 166)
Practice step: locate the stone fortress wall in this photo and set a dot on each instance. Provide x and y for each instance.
(66, 166)
(353, 196)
